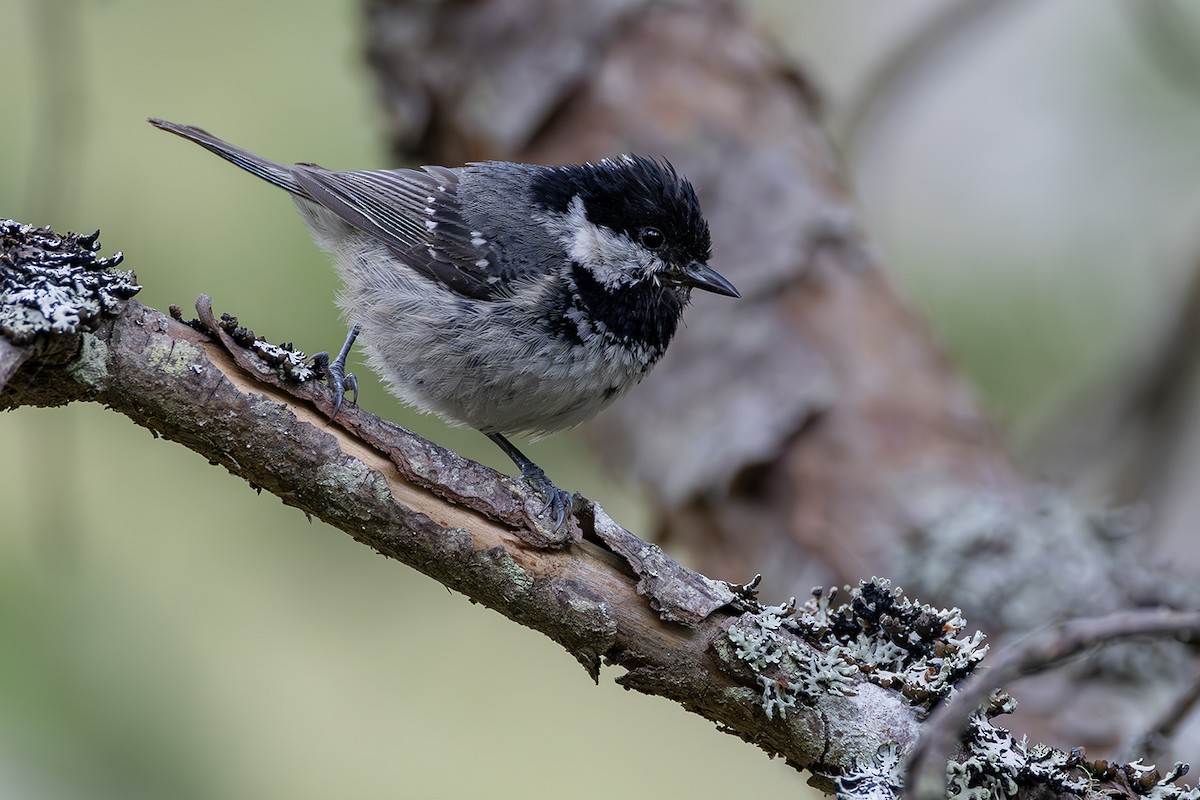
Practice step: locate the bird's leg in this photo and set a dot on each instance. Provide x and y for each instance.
(557, 500)
(335, 372)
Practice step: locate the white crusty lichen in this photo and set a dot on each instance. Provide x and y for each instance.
(54, 285)
(995, 764)
(1162, 787)
(797, 667)
(877, 634)
(292, 364)
(991, 768)
(878, 778)
(289, 362)
(896, 642)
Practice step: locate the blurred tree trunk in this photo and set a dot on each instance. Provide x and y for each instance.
(1136, 437)
(813, 431)
(800, 431)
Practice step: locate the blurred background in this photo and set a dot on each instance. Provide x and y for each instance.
(165, 632)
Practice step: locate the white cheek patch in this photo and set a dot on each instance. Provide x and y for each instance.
(579, 235)
(614, 259)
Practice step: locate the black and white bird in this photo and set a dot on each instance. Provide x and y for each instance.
(510, 298)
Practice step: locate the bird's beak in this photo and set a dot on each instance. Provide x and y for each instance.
(702, 276)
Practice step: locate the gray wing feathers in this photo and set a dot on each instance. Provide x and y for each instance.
(416, 214)
(390, 204)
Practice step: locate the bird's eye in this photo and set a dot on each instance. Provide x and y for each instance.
(651, 238)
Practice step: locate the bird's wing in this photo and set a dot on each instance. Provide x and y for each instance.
(417, 215)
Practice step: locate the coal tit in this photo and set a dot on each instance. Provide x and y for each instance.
(511, 298)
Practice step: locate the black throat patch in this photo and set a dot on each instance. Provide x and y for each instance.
(643, 315)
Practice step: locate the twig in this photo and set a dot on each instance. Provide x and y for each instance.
(1152, 745)
(1038, 652)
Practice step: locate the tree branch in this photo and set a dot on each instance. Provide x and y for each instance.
(837, 690)
(461, 523)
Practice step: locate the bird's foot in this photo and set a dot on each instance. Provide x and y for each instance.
(335, 373)
(557, 500)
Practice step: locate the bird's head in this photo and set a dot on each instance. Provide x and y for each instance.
(630, 220)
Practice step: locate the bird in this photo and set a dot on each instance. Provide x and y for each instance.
(509, 298)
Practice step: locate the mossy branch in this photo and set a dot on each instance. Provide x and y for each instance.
(839, 690)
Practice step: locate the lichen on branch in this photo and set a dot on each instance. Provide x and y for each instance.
(839, 686)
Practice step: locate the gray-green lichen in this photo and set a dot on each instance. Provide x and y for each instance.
(175, 357)
(877, 633)
(349, 473)
(800, 668)
(53, 285)
(996, 765)
(880, 777)
(90, 367)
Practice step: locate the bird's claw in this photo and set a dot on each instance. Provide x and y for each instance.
(341, 381)
(557, 500)
(335, 373)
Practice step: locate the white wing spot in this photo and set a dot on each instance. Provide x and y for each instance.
(430, 199)
(430, 224)
(482, 263)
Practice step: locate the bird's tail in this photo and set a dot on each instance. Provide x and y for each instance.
(269, 171)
